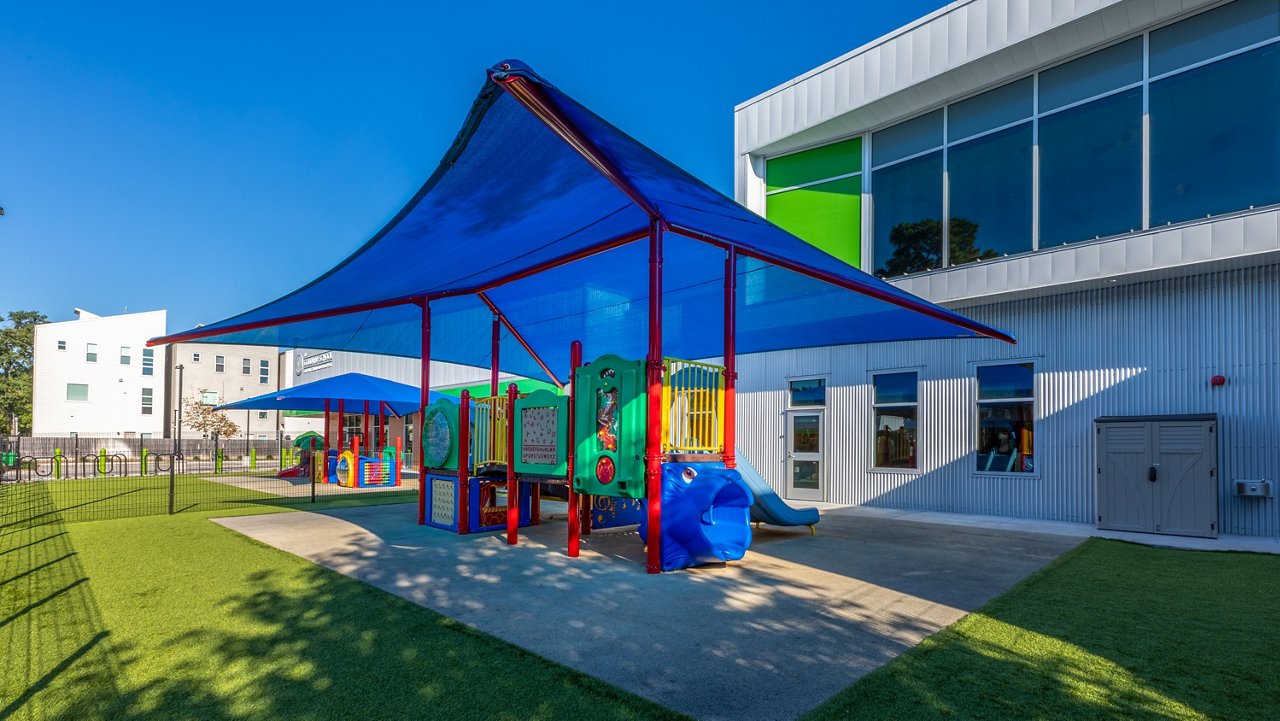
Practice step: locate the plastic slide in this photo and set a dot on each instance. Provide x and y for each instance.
(706, 515)
(298, 471)
(768, 507)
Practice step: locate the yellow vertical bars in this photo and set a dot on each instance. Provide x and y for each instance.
(693, 406)
(489, 436)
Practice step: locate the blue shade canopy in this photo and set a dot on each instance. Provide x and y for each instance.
(352, 389)
(541, 211)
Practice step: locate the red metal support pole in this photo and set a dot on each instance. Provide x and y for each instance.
(364, 426)
(493, 357)
(575, 360)
(324, 447)
(520, 339)
(342, 426)
(513, 491)
(730, 356)
(382, 423)
(424, 394)
(464, 462)
(653, 436)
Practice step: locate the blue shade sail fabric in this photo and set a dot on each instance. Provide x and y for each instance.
(510, 197)
(352, 389)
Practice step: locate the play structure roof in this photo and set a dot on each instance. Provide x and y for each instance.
(541, 211)
(353, 389)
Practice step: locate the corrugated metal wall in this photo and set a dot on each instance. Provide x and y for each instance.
(1146, 348)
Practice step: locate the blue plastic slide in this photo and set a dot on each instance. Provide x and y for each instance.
(768, 507)
(706, 516)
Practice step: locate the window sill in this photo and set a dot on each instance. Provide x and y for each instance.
(896, 471)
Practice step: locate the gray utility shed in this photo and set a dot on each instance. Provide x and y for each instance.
(1158, 474)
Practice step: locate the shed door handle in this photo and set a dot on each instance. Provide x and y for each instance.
(1151, 473)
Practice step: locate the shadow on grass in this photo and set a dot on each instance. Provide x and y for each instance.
(56, 662)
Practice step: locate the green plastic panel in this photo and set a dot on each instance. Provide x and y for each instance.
(827, 215)
(610, 427)
(807, 166)
(542, 434)
(441, 435)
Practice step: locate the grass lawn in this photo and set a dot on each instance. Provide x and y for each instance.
(1110, 630)
(175, 617)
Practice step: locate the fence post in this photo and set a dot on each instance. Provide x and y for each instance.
(102, 461)
(319, 465)
(217, 456)
(142, 470)
(173, 461)
(57, 464)
(253, 459)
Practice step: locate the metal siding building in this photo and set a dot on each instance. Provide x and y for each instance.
(1132, 323)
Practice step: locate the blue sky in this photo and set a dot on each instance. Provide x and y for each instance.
(209, 159)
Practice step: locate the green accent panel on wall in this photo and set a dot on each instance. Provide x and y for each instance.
(827, 161)
(827, 215)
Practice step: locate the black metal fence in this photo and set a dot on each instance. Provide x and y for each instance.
(102, 478)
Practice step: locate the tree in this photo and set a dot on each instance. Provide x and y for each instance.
(918, 246)
(204, 418)
(17, 356)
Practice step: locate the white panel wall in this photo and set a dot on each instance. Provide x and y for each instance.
(1147, 348)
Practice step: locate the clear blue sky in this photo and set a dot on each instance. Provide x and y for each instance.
(207, 160)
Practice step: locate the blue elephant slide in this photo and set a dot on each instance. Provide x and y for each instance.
(707, 511)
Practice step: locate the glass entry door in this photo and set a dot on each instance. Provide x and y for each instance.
(804, 456)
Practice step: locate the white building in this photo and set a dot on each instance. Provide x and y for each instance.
(94, 376)
(216, 373)
(1101, 179)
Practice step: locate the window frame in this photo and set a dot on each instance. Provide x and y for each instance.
(126, 355)
(826, 388)
(976, 416)
(869, 169)
(195, 357)
(61, 345)
(871, 448)
(219, 364)
(264, 372)
(77, 400)
(90, 352)
(148, 361)
(246, 366)
(147, 399)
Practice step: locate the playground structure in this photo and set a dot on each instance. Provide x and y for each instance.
(563, 230)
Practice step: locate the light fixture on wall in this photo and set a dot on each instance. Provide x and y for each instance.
(1218, 381)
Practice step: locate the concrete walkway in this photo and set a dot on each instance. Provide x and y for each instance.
(799, 619)
(1224, 542)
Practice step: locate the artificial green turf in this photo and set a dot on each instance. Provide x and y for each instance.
(1110, 630)
(175, 617)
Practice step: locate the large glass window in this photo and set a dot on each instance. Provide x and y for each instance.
(1215, 138)
(77, 391)
(148, 361)
(1092, 75)
(1005, 105)
(990, 183)
(817, 195)
(808, 392)
(908, 215)
(1006, 418)
(1210, 86)
(148, 401)
(264, 372)
(1222, 30)
(895, 399)
(1091, 157)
